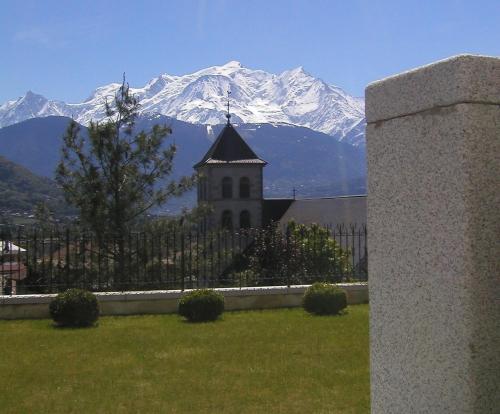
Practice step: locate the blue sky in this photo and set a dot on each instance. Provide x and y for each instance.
(64, 50)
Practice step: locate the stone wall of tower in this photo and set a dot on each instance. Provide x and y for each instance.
(212, 194)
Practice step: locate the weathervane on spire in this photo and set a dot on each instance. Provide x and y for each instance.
(228, 115)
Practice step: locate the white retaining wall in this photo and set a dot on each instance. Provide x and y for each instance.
(166, 301)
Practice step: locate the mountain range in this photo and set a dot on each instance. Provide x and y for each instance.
(311, 133)
(313, 163)
(293, 97)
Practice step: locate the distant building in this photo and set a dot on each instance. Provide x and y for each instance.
(232, 184)
(328, 211)
(12, 270)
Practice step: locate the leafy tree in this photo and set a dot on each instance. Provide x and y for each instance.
(274, 258)
(320, 254)
(114, 176)
(301, 254)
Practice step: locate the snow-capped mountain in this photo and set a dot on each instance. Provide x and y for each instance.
(292, 97)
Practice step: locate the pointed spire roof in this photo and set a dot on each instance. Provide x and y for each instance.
(230, 148)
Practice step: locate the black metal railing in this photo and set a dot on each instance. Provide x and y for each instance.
(40, 260)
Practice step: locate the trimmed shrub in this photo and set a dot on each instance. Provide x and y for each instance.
(75, 307)
(324, 299)
(201, 305)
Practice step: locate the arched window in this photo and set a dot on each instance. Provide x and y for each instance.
(227, 220)
(245, 219)
(227, 187)
(204, 189)
(244, 187)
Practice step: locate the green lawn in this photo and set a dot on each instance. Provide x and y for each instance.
(273, 361)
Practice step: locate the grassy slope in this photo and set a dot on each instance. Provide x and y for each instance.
(20, 189)
(282, 361)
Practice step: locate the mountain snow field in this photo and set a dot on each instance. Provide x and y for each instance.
(292, 97)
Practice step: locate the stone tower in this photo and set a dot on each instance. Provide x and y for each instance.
(231, 182)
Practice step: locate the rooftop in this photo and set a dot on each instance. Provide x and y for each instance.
(230, 148)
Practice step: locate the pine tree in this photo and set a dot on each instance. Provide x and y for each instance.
(43, 216)
(115, 175)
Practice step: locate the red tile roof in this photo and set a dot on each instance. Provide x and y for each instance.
(13, 270)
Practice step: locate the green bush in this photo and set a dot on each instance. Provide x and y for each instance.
(75, 307)
(324, 299)
(201, 305)
(302, 254)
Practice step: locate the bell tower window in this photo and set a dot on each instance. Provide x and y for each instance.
(227, 187)
(227, 220)
(245, 219)
(244, 187)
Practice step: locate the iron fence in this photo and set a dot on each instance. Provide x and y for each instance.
(38, 260)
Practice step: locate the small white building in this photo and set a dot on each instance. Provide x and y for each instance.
(12, 269)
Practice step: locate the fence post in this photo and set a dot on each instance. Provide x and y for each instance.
(183, 265)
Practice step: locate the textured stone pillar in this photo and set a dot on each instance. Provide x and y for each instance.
(433, 143)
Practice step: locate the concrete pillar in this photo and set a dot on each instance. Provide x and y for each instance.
(433, 144)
